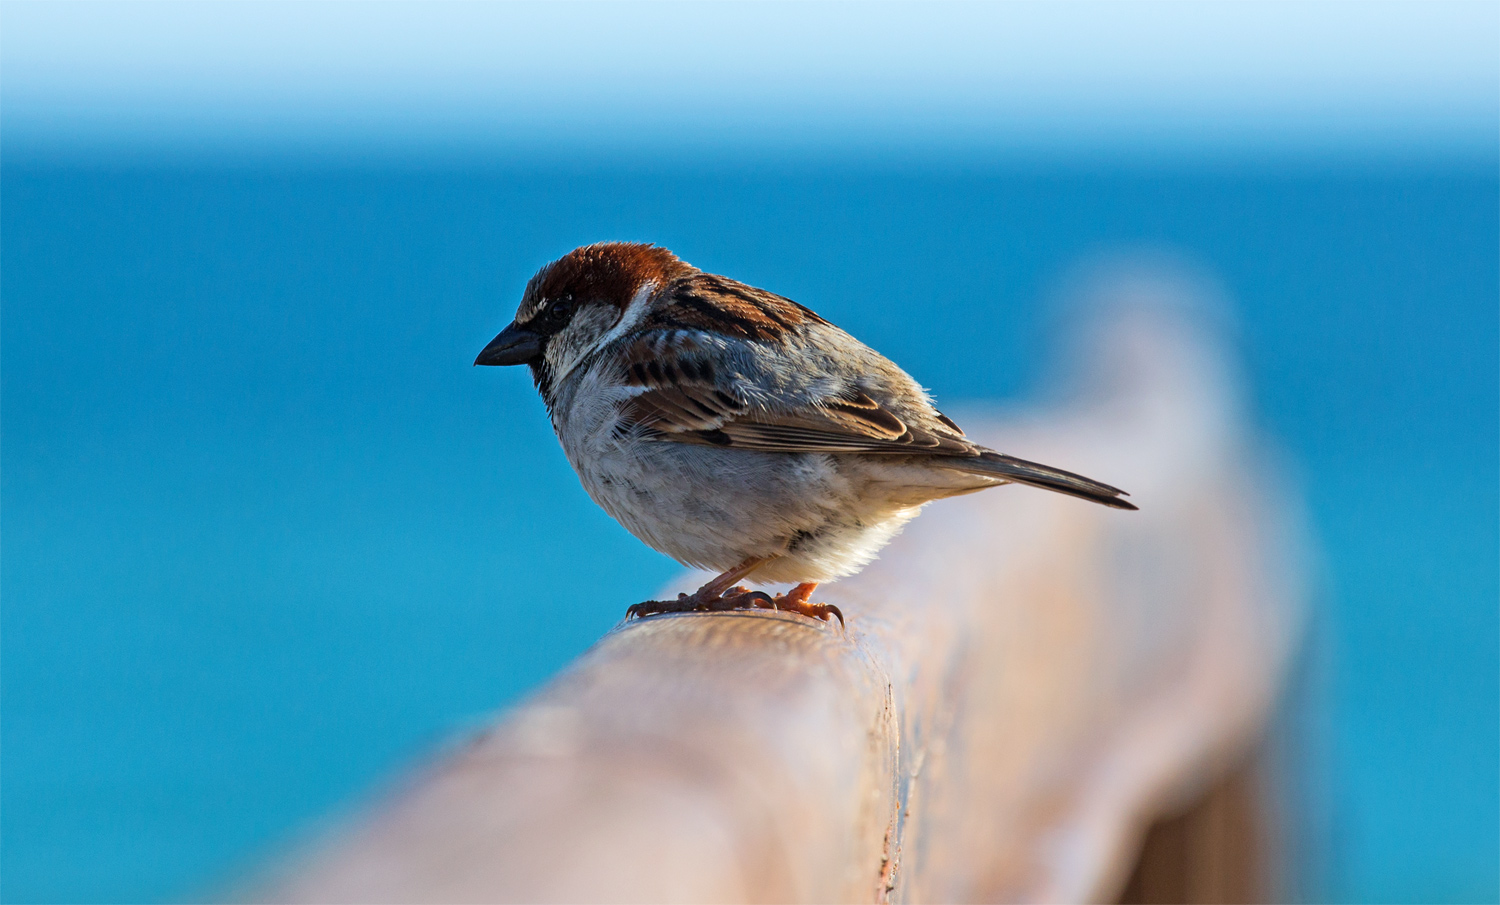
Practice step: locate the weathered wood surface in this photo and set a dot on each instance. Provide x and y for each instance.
(1025, 684)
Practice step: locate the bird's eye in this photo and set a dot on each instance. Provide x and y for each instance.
(559, 311)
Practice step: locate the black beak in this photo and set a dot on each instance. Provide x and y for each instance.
(514, 346)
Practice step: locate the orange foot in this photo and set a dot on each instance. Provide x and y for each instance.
(796, 600)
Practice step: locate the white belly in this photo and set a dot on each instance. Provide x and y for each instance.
(821, 516)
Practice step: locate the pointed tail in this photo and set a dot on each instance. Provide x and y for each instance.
(1020, 471)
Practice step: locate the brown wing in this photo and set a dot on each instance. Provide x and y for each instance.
(683, 392)
(707, 301)
(686, 401)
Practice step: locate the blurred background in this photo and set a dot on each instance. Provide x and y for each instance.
(267, 535)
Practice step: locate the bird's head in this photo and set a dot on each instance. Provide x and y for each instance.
(578, 303)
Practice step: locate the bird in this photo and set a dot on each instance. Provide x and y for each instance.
(736, 430)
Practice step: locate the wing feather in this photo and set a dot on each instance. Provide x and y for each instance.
(683, 400)
(680, 393)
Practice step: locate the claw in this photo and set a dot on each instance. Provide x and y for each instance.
(747, 600)
(797, 601)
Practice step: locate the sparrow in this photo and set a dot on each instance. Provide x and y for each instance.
(737, 431)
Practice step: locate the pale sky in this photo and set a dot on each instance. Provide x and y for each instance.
(1417, 76)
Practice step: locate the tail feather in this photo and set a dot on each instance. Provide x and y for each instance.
(1046, 477)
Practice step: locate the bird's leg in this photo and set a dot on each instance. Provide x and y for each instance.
(719, 594)
(796, 600)
(716, 588)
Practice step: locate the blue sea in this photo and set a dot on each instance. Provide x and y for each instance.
(267, 535)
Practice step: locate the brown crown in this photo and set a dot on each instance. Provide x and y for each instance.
(609, 272)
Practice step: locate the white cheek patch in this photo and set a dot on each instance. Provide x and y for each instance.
(568, 348)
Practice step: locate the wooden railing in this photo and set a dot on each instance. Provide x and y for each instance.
(1026, 684)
